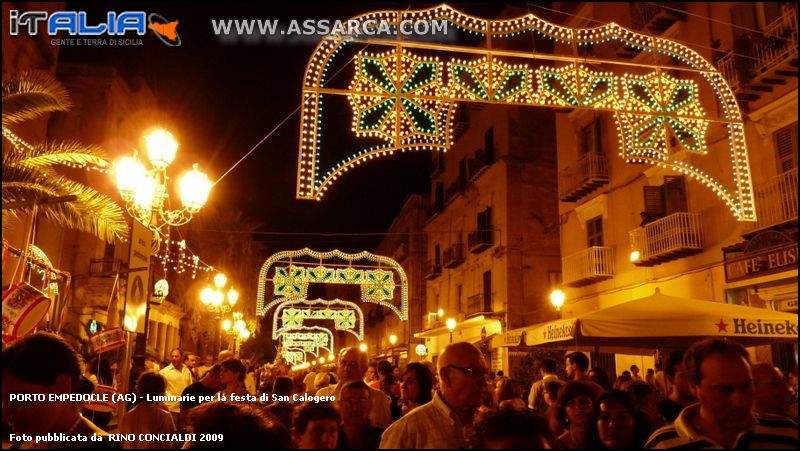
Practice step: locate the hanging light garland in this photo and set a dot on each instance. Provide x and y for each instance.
(175, 255)
(406, 100)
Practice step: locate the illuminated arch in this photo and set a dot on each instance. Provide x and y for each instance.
(290, 273)
(309, 338)
(294, 355)
(409, 100)
(346, 316)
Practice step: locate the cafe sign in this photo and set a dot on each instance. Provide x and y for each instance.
(766, 261)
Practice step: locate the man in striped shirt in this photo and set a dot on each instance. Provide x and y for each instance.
(720, 377)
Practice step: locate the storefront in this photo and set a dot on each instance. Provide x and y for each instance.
(761, 272)
(478, 330)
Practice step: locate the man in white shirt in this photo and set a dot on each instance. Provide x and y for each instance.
(440, 423)
(178, 378)
(536, 397)
(353, 366)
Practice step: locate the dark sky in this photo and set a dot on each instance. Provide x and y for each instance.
(225, 98)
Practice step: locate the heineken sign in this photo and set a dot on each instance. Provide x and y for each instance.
(756, 327)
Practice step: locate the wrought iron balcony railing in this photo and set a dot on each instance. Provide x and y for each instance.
(776, 202)
(675, 236)
(588, 266)
(585, 176)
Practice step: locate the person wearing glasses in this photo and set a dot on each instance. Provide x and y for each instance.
(440, 423)
(353, 366)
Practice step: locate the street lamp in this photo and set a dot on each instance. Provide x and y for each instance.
(451, 326)
(236, 328)
(557, 299)
(146, 193)
(362, 347)
(218, 301)
(393, 339)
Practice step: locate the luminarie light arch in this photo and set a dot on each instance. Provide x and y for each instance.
(408, 100)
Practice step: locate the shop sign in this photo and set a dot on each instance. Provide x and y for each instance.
(512, 339)
(762, 262)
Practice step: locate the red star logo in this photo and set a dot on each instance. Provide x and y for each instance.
(722, 326)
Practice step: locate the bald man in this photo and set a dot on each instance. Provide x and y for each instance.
(771, 392)
(440, 423)
(225, 355)
(353, 366)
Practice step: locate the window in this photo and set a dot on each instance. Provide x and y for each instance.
(666, 199)
(437, 255)
(785, 140)
(594, 231)
(488, 140)
(487, 291)
(589, 139)
(438, 197)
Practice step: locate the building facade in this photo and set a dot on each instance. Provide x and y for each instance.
(493, 230)
(628, 229)
(405, 243)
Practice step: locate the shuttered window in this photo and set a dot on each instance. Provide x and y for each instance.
(785, 140)
(664, 200)
(594, 231)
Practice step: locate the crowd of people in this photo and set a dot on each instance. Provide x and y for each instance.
(708, 396)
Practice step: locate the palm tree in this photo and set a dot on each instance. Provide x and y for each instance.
(35, 171)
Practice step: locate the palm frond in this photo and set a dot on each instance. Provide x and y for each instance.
(92, 212)
(54, 153)
(31, 94)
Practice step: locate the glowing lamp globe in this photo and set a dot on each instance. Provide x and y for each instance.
(557, 299)
(193, 188)
(129, 173)
(220, 280)
(161, 148)
(145, 193)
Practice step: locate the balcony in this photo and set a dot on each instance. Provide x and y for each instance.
(776, 203)
(588, 266)
(479, 240)
(478, 165)
(676, 236)
(653, 18)
(585, 176)
(453, 190)
(476, 305)
(454, 256)
(764, 61)
(433, 269)
(433, 321)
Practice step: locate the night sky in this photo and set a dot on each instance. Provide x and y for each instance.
(225, 98)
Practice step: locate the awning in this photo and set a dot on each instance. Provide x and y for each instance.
(661, 321)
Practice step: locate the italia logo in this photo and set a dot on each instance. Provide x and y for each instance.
(743, 326)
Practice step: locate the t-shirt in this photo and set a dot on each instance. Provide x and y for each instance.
(197, 390)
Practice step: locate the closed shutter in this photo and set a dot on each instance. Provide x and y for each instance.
(654, 201)
(487, 291)
(743, 17)
(786, 147)
(462, 173)
(674, 194)
(439, 197)
(598, 143)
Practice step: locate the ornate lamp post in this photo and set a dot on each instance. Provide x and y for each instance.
(236, 328)
(146, 193)
(218, 301)
(146, 197)
(451, 326)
